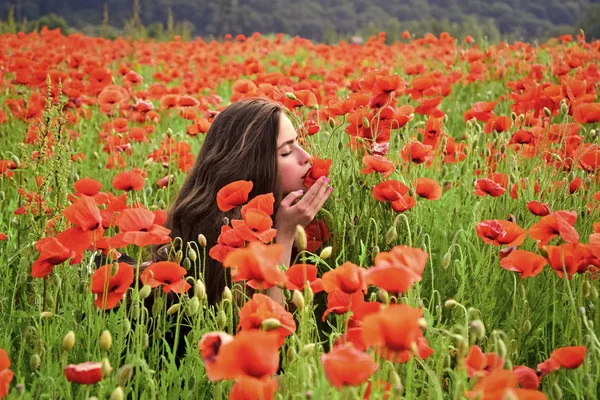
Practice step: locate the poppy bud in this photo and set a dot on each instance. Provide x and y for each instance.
(564, 108)
(95, 155)
(106, 367)
(35, 361)
(187, 264)
(105, 340)
(526, 326)
(445, 119)
(117, 394)
(178, 256)
(202, 240)
(593, 293)
(16, 160)
(290, 96)
(478, 328)
(556, 391)
(331, 122)
(199, 290)
(365, 122)
(462, 347)
(384, 296)
(191, 253)
(69, 341)
(391, 235)
(46, 314)
(423, 323)
(225, 221)
(308, 349)
(375, 251)
(174, 309)
(446, 260)
(193, 306)
(301, 241)
(126, 325)
(586, 380)
(298, 299)
(270, 324)
(124, 375)
(135, 311)
(593, 133)
(291, 354)
(161, 204)
(145, 341)
(325, 253)
(513, 116)
(451, 304)
(169, 132)
(221, 320)
(145, 291)
(502, 348)
(547, 112)
(522, 291)
(227, 294)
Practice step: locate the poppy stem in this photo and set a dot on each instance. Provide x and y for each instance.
(44, 293)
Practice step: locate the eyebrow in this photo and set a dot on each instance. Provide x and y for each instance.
(288, 142)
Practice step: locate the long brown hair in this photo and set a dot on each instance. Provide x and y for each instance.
(241, 144)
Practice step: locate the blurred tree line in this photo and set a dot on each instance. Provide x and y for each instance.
(320, 20)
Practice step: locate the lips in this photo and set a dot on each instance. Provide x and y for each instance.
(307, 172)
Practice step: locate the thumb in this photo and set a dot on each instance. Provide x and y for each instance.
(291, 197)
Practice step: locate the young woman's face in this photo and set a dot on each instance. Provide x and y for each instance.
(292, 161)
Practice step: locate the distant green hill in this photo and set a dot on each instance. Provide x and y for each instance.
(325, 20)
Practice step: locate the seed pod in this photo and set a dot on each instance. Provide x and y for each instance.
(308, 349)
(35, 361)
(199, 290)
(69, 341)
(301, 241)
(478, 328)
(298, 299)
(326, 252)
(124, 375)
(105, 340)
(117, 394)
(446, 260)
(221, 320)
(270, 324)
(192, 255)
(174, 309)
(145, 291)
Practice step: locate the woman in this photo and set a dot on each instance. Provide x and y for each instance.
(251, 140)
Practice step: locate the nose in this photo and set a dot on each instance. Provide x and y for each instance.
(305, 157)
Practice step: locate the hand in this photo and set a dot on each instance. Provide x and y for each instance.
(291, 213)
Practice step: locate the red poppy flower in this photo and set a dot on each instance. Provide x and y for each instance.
(397, 270)
(500, 232)
(233, 195)
(498, 124)
(247, 388)
(404, 203)
(347, 366)
(316, 234)
(396, 332)
(538, 208)
(256, 225)
(86, 373)
(339, 302)
(227, 241)
(262, 307)
(84, 213)
(390, 190)
(524, 262)
(500, 384)
(52, 252)
(256, 264)
(140, 227)
(320, 167)
(169, 274)
(6, 375)
(111, 289)
(416, 152)
(348, 278)
(298, 274)
(526, 377)
(428, 188)
(572, 257)
(128, 180)
(3, 236)
(252, 353)
(487, 186)
(87, 186)
(377, 164)
(556, 223)
(587, 113)
(569, 357)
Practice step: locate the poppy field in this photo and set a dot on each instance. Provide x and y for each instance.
(457, 257)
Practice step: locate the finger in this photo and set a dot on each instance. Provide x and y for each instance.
(291, 198)
(314, 190)
(322, 199)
